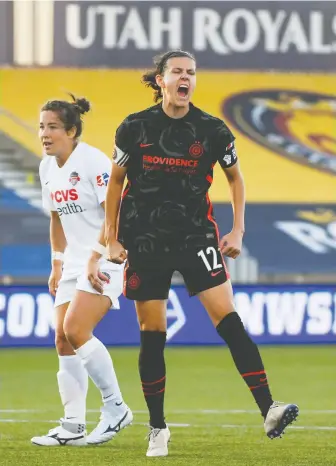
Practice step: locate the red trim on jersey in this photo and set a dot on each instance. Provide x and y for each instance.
(209, 178)
(122, 197)
(125, 278)
(126, 189)
(210, 217)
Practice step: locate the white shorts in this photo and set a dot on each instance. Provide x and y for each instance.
(115, 272)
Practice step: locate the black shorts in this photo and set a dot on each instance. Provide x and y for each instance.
(203, 270)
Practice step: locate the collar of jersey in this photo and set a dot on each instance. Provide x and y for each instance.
(186, 117)
(80, 144)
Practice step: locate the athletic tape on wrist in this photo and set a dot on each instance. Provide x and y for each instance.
(99, 248)
(57, 256)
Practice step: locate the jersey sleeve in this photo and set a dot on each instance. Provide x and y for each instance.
(121, 148)
(224, 146)
(100, 170)
(47, 202)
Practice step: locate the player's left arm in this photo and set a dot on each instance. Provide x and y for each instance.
(99, 175)
(95, 277)
(231, 244)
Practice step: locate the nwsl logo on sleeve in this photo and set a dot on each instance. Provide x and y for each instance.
(230, 153)
(298, 125)
(102, 180)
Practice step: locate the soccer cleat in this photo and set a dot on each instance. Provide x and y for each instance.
(279, 416)
(158, 442)
(65, 435)
(109, 426)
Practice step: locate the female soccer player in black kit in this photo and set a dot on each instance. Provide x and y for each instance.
(166, 223)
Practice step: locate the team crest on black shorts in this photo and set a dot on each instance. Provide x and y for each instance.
(298, 125)
(74, 178)
(133, 282)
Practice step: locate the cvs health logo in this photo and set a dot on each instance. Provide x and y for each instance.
(64, 195)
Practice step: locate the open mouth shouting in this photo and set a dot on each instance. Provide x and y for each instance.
(183, 91)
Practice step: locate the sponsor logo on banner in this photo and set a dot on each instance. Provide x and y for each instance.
(313, 229)
(290, 313)
(271, 314)
(27, 318)
(299, 125)
(301, 237)
(222, 34)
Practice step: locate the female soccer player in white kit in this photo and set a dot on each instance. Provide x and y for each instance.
(74, 180)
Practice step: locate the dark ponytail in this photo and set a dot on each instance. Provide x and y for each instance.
(69, 112)
(160, 62)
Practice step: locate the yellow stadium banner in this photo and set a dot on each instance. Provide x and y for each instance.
(285, 124)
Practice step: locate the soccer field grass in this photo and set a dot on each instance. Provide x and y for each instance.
(213, 416)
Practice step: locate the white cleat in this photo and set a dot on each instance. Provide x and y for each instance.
(63, 437)
(109, 426)
(279, 416)
(158, 442)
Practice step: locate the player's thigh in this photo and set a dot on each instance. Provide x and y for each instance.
(84, 313)
(218, 301)
(206, 275)
(60, 312)
(88, 306)
(203, 270)
(111, 289)
(147, 283)
(152, 315)
(149, 288)
(65, 292)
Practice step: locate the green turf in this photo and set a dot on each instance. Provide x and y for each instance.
(199, 380)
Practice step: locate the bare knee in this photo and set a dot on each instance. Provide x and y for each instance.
(218, 302)
(75, 333)
(63, 347)
(151, 326)
(152, 315)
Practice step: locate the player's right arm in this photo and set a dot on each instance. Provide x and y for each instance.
(58, 245)
(57, 237)
(116, 251)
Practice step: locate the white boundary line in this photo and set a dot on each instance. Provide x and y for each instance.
(223, 426)
(177, 411)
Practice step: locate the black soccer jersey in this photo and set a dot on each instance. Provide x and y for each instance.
(166, 211)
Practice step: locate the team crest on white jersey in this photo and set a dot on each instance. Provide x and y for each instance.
(74, 178)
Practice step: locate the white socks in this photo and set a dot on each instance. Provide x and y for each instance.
(73, 386)
(99, 366)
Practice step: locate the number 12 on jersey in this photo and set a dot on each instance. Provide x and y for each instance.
(208, 252)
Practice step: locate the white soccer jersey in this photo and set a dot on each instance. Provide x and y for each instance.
(76, 191)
